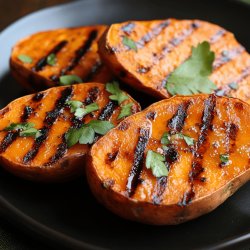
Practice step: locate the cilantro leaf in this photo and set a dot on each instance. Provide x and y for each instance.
(189, 140)
(224, 158)
(20, 126)
(51, 59)
(25, 129)
(165, 139)
(191, 77)
(101, 127)
(87, 135)
(80, 112)
(129, 43)
(72, 136)
(69, 79)
(125, 111)
(156, 162)
(117, 94)
(74, 105)
(25, 59)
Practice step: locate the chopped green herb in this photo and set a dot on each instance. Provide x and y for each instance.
(189, 140)
(86, 133)
(51, 59)
(156, 162)
(25, 59)
(191, 77)
(125, 111)
(69, 79)
(81, 112)
(129, 43)
(25, 129)
(167, 138)
(224, 158)
(117, 94)
(74, 105)
(101, 127)
(233, 85)
(72, 136)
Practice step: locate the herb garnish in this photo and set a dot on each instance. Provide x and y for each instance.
(86, 133)
(25, 59)
(191, 77)
(129, 43)
(51, 59)
(167, 138)
(117, 94)
(224, 158)
(125, 111)
(156, 162)
(25, 129)
(79, 110)
(69, 79)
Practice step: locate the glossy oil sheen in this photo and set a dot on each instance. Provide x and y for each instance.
(71, 216)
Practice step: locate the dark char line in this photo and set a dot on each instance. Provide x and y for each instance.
(134, 174)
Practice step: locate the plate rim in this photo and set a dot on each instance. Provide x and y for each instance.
(40, 230)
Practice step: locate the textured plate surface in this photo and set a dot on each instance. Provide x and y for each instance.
(67, 214)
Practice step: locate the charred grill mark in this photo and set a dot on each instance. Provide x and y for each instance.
(227, 56)
(94, 70)
(123, 126)
(151, 115)
(8, 139)
(200, 148)
(152, 33)
(111, 157)
(171, 155)
(38, 97)
(81, 52)
(107, 111)
(92, 96)
(26, 113)
(60, 151)
(226, 89)
(176, 123)
(168, 48)
(128, 28)
(134, 174)
(217, 36)
(49, 120)
(43, 61)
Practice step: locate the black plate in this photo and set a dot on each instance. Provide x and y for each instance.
(67, 214)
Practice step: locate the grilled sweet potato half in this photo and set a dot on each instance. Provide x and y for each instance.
(35, 139)
(145, 53)
(176, 160)
(38, 61)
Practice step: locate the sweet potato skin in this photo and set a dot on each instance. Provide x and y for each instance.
(73, 160)
(139, 207)
(89, 66)
(148, 68)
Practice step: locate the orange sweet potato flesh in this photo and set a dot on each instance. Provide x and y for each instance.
(162, 45)
(76, 54)
(198, 180)
(48, 158)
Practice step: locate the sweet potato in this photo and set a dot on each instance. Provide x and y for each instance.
(207, 157)
(75, 53)
(160, 46)
(48, 157)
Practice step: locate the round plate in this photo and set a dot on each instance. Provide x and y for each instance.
(67, 214)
